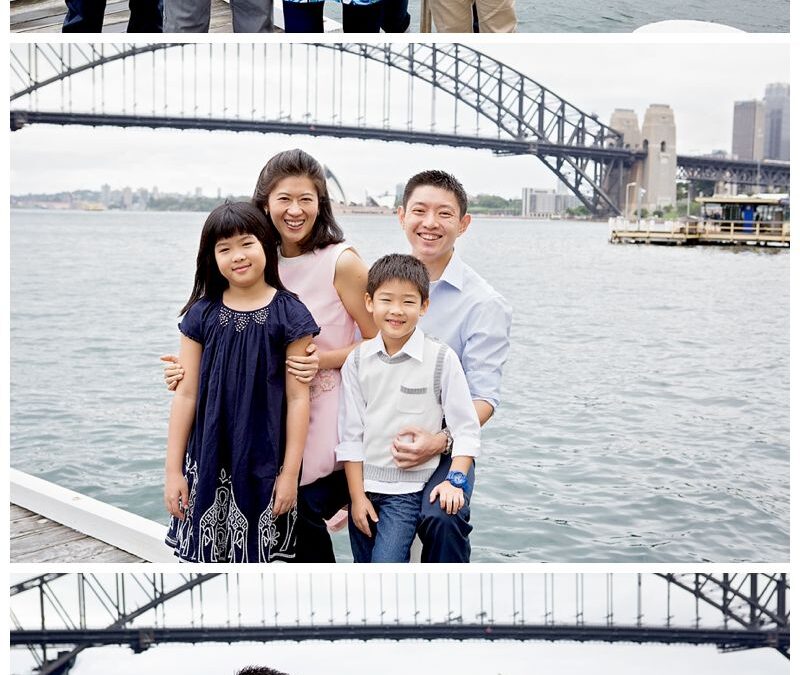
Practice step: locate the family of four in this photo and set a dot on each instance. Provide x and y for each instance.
(300, 16)
(306, 383)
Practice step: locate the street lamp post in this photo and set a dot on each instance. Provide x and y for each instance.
(639, 194)
(627, 188)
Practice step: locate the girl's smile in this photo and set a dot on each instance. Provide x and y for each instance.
(241, 260)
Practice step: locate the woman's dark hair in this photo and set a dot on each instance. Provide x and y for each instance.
(299, 163)
(228, 220)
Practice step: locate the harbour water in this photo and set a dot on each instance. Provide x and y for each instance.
(645, 414)
(622, 16)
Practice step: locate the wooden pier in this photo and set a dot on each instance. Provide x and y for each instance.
(694, 234)
(36, 539)
(49, 523)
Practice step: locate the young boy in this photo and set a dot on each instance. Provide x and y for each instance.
(397, 379)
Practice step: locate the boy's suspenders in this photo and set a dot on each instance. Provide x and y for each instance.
(437, 372)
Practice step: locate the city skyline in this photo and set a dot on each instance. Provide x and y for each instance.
(231, 161)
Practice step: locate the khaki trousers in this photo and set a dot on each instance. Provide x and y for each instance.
(455, 16)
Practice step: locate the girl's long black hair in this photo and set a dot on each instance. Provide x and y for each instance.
(290, 163)
(228, 220)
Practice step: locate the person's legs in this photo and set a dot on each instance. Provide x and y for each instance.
(397, 524)
(496, 16)
(396, 18)
(251, 16)
(362, 18)
(360, 543)
(84, 16)
(303, 17)
(146, 16)
(452, 16)
(187, 16)
(444, 538)
(317, 502)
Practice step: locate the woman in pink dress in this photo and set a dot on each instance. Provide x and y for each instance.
(330, 279)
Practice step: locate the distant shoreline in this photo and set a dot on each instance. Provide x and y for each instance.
(348, 210)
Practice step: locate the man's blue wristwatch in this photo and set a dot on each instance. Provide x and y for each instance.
(458, 479)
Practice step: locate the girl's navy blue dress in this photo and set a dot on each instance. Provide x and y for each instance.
(237, 442)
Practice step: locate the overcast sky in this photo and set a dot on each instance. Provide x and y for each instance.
(700, 83)
(243, 606)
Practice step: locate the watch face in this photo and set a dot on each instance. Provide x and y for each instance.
(456, 478)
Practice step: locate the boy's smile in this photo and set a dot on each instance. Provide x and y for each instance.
(396, 308)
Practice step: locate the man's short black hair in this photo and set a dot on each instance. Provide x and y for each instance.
(439, 179)
(398, 266)
(259, 670)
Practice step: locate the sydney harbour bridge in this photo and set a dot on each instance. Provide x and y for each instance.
(434, 94)
(57, 616)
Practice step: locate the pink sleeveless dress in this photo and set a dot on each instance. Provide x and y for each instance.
(310, 276)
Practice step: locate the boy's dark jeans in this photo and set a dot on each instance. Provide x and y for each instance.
(394, 532)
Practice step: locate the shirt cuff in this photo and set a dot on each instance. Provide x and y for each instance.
(350, 451)
(466, 449)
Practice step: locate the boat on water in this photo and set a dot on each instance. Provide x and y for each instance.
(745, 220)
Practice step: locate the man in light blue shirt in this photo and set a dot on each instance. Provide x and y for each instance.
(474, 320)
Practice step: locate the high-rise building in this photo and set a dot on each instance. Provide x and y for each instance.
(776, 122)
(748, 130)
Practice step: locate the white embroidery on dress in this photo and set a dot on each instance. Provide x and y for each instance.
(241, 319)
(223, 527)
(185, 531)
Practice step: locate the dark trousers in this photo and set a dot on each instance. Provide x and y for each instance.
(86, 16)
(396, 18)
(306, 17)
(317, 502)
(444, 538)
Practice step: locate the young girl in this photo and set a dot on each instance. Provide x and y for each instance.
(238, 424)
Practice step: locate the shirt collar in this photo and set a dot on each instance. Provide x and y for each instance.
(414, 346)
(453, 274)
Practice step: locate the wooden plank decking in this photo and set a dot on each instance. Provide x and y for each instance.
(50, 523)
(36, 539)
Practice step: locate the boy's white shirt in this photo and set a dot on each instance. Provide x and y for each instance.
(457, 405)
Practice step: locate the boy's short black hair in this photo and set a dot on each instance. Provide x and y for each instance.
(439, 179)
(258, 670)
(398, 266)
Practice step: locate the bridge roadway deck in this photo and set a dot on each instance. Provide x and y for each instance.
(46, 16)
(141, 638)
(36, 539)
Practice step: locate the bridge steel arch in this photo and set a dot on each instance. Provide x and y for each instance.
(756, 603)
(587, 155)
